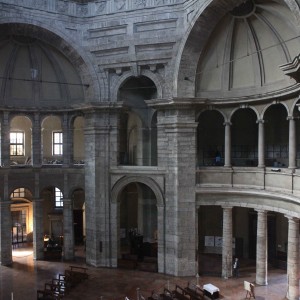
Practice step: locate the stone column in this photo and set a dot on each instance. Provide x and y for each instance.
(261, 144)
(261, 248)
(293, 259)
(36, 144)
(227, 242)
(292, 143)
(5, 236)
(101, 142)
(227, 162)
(68, 229)
(176, 140)
(38, 229)
(5, 141)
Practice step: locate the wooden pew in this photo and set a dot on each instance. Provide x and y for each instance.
(180, 294)
(194, 291)
(154, 296)
(75, 275)
(48, 294)
(166, 295)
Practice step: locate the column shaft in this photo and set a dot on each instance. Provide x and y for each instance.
(292, 143)
(261, 144)
(227, 243)
(293, 259)
(36, 151)
(261, 248)
(227, 162)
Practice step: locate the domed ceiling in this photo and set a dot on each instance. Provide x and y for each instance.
(34, 74)
(245, 50)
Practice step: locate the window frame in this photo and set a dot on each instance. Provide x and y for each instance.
(14, 146)
(58, 196)
(57, 146)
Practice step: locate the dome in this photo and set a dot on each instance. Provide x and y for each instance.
(245, 51)
(34, 74)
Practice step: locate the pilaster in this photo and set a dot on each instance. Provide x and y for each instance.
(68, 229)
(177, 154)
(36, 157)
(5, 141)
(5, 236)
(100, 147)
(38, 229)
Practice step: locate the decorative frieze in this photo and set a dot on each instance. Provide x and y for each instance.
(90, 9)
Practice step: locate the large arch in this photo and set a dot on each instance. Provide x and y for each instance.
(196, 38)
(95, 86)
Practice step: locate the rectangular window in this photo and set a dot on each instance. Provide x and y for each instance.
(57, 143)
(17, 143)
(58, 198)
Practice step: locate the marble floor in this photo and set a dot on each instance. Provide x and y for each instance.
(21, 280)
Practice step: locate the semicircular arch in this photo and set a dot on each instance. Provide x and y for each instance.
(124, 181)
(95, 86)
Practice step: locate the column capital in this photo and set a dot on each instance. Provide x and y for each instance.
(260, 121)
(260, 210)
(227, 123)
(292, 219)
(289, 118)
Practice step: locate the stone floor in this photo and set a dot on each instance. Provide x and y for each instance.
(21, 281)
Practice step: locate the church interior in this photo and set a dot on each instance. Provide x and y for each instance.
(157, 138)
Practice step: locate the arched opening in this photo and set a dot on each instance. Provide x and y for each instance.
(53, 222)
(138, 228)
(276, 136)
(210, 142)
(20, 141)
(244, 134)
(22, 218)
(136, 123)
(78, 197)
(52, 140)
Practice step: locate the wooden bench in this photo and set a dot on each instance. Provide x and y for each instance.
(154, 296)
(194, 291)
(75, 275)
(179, 293)
(166, 295)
